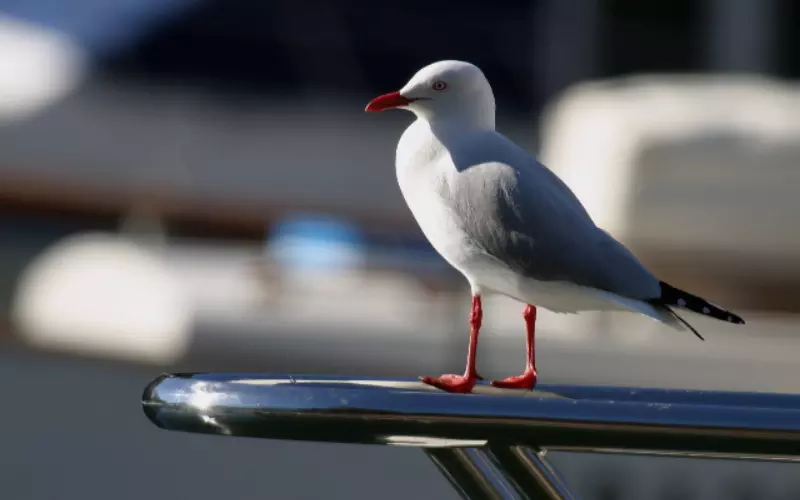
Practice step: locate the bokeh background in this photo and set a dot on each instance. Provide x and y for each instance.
(193, 185)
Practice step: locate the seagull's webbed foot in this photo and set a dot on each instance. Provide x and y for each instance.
(461, 384)
(525, 381)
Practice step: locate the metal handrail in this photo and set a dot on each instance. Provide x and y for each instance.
(490, 444)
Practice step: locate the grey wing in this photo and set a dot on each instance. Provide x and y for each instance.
(534, 223)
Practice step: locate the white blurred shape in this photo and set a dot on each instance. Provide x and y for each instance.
(37, 67)
(100, 294)
(593, 134)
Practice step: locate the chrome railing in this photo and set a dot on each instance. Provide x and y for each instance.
(491, 444)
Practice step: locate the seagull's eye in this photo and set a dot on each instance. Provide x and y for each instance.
(439, 86)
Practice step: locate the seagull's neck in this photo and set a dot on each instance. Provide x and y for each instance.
(455, 128)
(476, 115)
(472, 119)
(433, 132)
(460, 123)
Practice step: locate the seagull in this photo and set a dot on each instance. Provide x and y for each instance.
(509, 224)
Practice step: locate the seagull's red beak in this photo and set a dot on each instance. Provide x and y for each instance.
(388, 101)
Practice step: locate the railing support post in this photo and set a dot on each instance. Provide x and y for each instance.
(530, 472)
(471, 473)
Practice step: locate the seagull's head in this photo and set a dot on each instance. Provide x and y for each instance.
(444, 90)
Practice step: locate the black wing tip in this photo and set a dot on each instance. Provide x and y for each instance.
(675, 297)
(736, 320)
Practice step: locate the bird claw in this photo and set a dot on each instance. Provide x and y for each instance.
(460, 384)
(525, 381)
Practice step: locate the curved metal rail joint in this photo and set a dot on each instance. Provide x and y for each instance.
(491, 444)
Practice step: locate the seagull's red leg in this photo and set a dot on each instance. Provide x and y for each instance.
(463, 383)
(528, 379)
